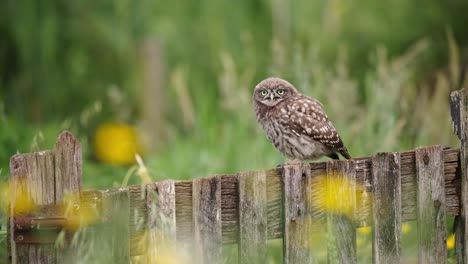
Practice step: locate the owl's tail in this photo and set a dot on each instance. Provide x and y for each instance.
(336, 157)
(344, 152)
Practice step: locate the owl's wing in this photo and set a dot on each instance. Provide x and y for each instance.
(307, 117)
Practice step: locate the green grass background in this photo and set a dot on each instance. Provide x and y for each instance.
(383, 70)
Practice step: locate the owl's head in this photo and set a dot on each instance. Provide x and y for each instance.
(272, 91)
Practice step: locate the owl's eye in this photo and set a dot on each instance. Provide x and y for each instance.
(264, 92)
(280, 92)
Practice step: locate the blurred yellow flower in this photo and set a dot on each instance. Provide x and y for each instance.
(405, 228)
(336, 195)
(77, 213)
(116, 143)
(451, 242)
(168, 259)
(162, 248)
(364, 230)
(16, 192)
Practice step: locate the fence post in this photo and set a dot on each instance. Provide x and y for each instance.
(431, 204)
(459, 112)
(116, 210)
(296, 243)
(45, 177)
(206, 195)
(341, 228)
(252, 217)
(161, 206)
(386, 207)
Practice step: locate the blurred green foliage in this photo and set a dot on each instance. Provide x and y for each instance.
(383, 70)
(57, 56)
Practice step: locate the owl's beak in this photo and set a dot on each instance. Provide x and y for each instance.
(272, 96)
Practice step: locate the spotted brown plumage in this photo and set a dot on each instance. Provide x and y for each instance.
(295, 123)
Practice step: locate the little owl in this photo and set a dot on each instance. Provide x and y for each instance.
(295, 123)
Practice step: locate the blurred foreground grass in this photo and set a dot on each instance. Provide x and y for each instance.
(395, 115)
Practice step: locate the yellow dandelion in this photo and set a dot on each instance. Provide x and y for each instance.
(451, 242)
(336, 195)
(116, 143)
(77, 213)
(168, 259)
(162, 249)
(16, 194)
(364, 230)
(405, 228)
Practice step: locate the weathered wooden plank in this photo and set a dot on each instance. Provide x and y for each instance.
(68, 163)
(138, 216)
(68, 171)
(206, 201)
(44, 178)
(161, 202)
(459, 112)
(229, 205)
(184, 212)
(341, 178)
(161, 206)
(431, 205)
(297, 224)
(274, 205)
(252, 217)
(116, 206)
(386, 207)
(32, 175)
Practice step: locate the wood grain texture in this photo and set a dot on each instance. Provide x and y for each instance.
(68, 163)
(297, 224)
(32, 175)
(184, 215)
(46, 177)
(459, 112)
(207, 233)
(275, 205)
(252, 217)
(340, 221)
(386, 208)
(68, 171)
(161, 207)
(229, 205)
(431, 205)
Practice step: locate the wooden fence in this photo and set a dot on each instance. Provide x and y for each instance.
(250, 208)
